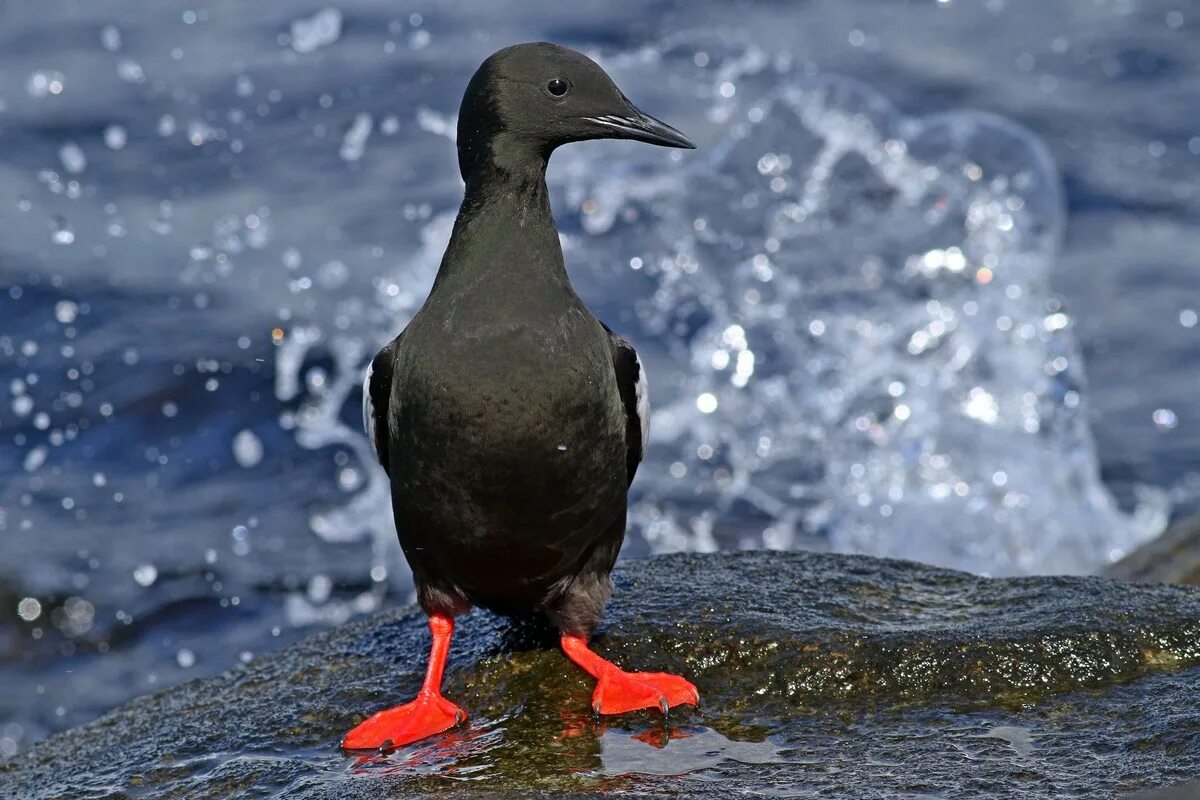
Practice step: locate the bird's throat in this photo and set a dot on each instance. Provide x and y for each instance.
(505, 229)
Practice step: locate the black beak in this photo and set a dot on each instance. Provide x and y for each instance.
(641, 127)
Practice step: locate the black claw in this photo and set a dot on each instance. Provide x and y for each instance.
(664, 705)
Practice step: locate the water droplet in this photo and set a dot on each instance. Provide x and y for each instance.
(1165, 418)
(349, 479)
(145, 574)
(247, 448)
(319, 30)
(115, 137)
(110, 37)
(35, 457)
(29, 609)
(130, 71)
(319, 588)
(45, 82)
(22, 405)
(65, 311)
(62, 231)
(355, 142)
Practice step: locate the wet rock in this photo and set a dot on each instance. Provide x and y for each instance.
(1173, 557)
(819, 674)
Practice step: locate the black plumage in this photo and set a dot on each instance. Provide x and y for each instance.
(506, 414)
(509, 419)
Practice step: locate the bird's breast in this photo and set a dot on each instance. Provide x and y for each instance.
(510, 390)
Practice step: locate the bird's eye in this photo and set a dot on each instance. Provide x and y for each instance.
(557, 87)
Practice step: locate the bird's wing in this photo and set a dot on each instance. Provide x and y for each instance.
(635, 397)
(377, 394)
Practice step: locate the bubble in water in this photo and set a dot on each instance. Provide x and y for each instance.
(319, 30)
(185, 658)
(247, 448)
(145, 574)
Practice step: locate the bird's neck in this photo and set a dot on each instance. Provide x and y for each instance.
(505, 229)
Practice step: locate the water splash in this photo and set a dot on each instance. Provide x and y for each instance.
(320, 30)
(846, 322)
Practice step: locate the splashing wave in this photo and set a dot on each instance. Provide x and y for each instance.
(845, 317)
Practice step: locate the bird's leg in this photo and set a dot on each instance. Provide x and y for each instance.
(428, 714)
(618, 691)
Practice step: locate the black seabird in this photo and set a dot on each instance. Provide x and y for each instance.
(508, 418)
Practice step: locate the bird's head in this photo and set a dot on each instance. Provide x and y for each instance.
(528, 99)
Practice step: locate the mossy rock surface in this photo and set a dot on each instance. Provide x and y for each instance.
(820, 675)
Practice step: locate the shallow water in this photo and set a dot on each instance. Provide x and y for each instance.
(212, 216)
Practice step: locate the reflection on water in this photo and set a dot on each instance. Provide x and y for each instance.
(586, 747)
(458, 753)
(678, 751)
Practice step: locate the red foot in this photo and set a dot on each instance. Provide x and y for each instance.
(430, 713)
(618, 691)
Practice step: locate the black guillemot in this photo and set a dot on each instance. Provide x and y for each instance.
(509, 419)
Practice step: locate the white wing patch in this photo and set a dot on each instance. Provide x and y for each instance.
(643, 402)
(369, 411)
